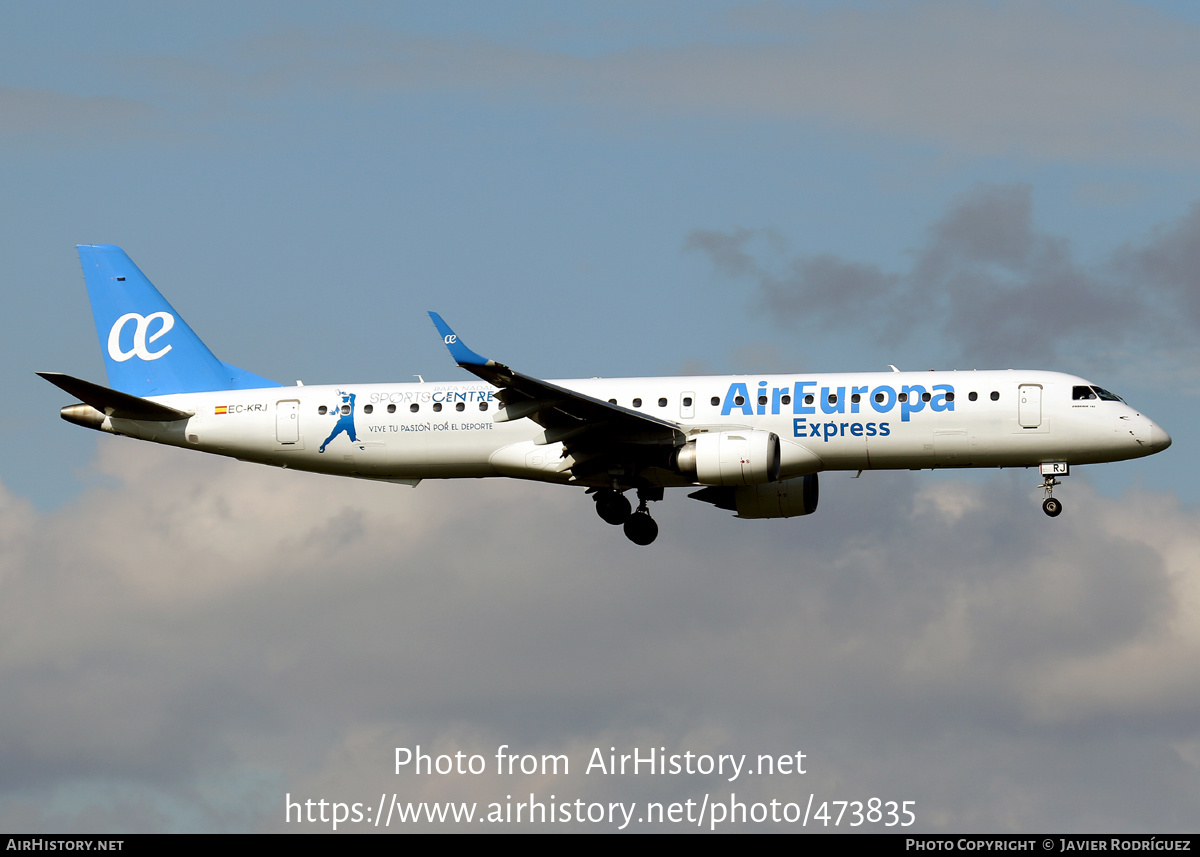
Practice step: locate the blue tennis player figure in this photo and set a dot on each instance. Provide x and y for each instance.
(345, 422)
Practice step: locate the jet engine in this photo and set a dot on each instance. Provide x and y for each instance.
(731, 458)
(786, 499)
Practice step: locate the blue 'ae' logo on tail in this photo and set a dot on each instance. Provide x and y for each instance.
(141, 336)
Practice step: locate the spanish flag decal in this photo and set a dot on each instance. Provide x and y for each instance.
(222, 409)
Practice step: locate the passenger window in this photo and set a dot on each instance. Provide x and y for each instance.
(855, 399)
(612, 401)
(762, 400)
(786, 399)
(461, 406)
(437, 407)
(739, 400)
(808, 400)
(995, 396)
(880, 397)
(925, 397)
(483, 406)
(687, 401)
(950, 397)
(662, 403)
(714, 401)
(367, 409)
(345, 409)
(322, 410)
(903, 397)
(414, 407)
(972, 396)
(637, 403)
(833, 398)
(391, 409)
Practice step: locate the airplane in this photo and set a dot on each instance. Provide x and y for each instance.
(752, 445)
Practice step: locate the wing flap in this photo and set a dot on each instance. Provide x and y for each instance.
(525, 408)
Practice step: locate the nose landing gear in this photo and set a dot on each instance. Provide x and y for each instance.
(1050, 506)
(1050, 470)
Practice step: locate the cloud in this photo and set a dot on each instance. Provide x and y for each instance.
(1170, 263)
(1064, 81)
(40, 114)
(986, 282)
(1061, 80)
(1099, 81)
(185, 647)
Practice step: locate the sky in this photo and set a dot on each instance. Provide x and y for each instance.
(188, 643)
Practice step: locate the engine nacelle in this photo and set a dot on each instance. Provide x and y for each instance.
(731, 458)
(786, 499)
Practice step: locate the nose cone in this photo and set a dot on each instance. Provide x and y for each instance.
(1159, 439)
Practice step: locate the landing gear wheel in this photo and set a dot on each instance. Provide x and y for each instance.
(1050, 506)
(614, 508)
(640, 528)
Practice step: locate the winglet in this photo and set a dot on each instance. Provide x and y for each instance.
(462, 355)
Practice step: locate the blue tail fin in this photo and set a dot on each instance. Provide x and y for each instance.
(148, 348)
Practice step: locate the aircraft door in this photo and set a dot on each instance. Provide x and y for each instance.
(287, 421)
(1029, 405)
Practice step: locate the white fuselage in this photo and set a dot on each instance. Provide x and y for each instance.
(844, 421)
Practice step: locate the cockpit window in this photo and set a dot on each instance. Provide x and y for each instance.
(1078, 393)
(1107, 396)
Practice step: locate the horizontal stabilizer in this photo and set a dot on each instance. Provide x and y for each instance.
(114, 403)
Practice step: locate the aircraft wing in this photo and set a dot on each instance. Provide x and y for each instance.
(598, 435)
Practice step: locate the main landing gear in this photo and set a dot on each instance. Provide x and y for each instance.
(640, 528)
(614, 508)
